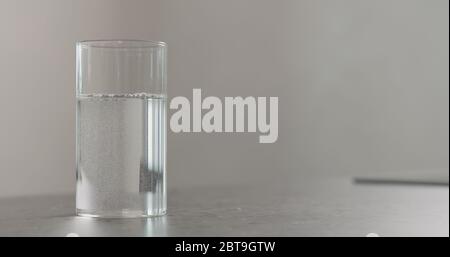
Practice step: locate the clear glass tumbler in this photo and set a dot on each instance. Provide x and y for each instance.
(121, 128)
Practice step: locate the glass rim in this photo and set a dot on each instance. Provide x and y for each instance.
(121, 44)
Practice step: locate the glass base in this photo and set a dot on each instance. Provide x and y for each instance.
(120, 214)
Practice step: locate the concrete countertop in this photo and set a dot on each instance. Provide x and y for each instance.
(316, 207)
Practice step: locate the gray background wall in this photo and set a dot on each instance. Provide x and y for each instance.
(363, 85)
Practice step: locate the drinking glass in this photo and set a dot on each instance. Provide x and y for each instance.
(121, 128)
